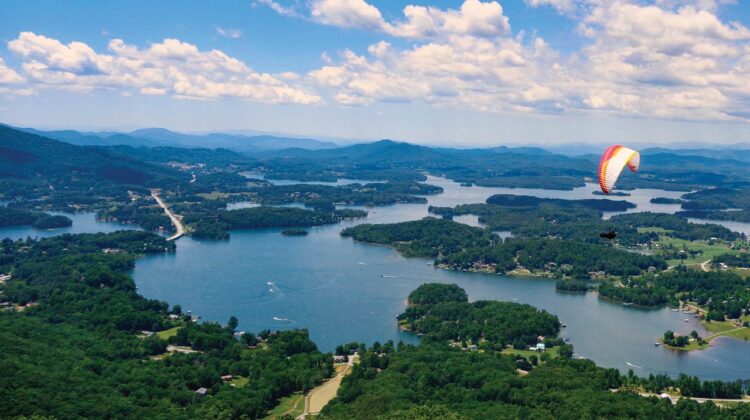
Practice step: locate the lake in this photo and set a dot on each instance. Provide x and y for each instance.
(344, 291)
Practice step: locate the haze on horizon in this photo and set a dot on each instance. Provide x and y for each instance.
(466, 73)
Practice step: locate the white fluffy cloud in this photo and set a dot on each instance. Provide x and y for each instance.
(660, 59)
(666, 60)
(8, 75)
(170, 67)
(473, 18)
(678, 62)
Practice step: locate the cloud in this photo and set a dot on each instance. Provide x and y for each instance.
(647, 60)
(562, 6)
(474, 18)
(660, 59)
(477, 18)
(8, 75)
(464, 71)
(278, 7)
(171, 67)
(347, 14)
(644, 60)
(229, 33)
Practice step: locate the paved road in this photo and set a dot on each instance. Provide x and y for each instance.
(179, 227)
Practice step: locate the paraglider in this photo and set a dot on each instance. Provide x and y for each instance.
(609, 235)
(614, 159)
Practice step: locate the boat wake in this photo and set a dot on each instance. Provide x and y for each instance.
(632, 365)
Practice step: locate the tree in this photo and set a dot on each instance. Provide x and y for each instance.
(233, 323)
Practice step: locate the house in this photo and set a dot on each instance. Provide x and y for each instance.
(339, 359)
(538, 347)
(147, 333)
(4, 277)
(174, 316)
(227, 377)
(201, 391)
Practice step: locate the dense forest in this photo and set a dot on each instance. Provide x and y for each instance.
(429, 237)
(510, 200)
(584, 224)
(75, 337)
(19, 217)
(490, 324)
(463, 247)
(217, 225)
(725, 294)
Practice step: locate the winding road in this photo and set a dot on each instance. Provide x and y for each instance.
(178, 226)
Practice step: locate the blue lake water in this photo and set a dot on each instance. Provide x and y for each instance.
(83, 222)
(344, 291)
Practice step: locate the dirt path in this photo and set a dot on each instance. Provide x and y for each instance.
(723, 333)
(179, 228)
(704, 265)
(320, 396)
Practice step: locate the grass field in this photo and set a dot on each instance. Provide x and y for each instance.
(727, 329)
(708, 251)
(164, 335)
(215, 195)
(292, 405)
(553, 353)
(716, 327)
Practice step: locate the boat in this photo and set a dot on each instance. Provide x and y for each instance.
(687, 319)
(657, 344)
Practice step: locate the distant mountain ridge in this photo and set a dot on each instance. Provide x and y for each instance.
(27, 156)
(153, 137)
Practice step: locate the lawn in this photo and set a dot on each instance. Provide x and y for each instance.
(553, 353)
(215, 195)
(292, 405)
(716, 327)
(239, 381)
(743, 334)
(709, 251)
(164, 335)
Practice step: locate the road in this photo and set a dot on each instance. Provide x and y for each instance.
(675, 399)
(321, 395)
(178, 226)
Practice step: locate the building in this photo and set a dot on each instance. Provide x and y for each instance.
(201, 391)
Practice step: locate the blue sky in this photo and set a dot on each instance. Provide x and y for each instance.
(440, 72)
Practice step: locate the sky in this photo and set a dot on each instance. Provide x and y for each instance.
(464, 73)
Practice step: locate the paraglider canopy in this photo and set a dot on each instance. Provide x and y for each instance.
(612, 163)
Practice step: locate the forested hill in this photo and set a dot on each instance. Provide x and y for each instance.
(30, 157)
(515, 167)
(78, 341)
